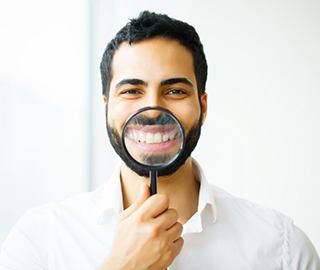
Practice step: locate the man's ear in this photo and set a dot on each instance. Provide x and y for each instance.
(105, 100)
(204, 104)
(105, 103)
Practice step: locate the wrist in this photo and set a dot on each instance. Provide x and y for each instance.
(114, 264)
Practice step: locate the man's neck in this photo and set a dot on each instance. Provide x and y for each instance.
(182, 188)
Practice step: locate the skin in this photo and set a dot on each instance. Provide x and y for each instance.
(148, 235)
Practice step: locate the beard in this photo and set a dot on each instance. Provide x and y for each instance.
(192, 138)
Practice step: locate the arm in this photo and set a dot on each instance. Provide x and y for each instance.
(23, 250)
(299, 253)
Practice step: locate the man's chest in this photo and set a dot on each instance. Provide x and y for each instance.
(85, 246)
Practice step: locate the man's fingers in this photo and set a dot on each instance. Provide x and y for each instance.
(167, 219)
(177, 246)
(143, 195)
(154, 206)
(175, 231)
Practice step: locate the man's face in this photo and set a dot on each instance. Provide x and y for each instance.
(154, 72)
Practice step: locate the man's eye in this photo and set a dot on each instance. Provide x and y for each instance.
(131, 92)
(176, 92)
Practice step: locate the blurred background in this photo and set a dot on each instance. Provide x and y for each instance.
(260, 141)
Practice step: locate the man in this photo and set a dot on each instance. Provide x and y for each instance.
(156, 61)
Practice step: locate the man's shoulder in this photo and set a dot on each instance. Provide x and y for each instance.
(75, 204)
(42, 228)
(236, 208)
(267, 226)
(83, 206)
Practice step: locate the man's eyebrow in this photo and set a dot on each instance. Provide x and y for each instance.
(176, 80)
(131, 81)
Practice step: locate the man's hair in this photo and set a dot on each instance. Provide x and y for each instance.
(147, 26)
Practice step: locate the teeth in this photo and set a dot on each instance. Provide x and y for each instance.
(171, 137)
(135, 136)
(157, 138)
(151, 137)
(142, 138)
(165, 137)
(130, 135)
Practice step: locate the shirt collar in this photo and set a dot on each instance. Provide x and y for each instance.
(108, 199)
(206, 203)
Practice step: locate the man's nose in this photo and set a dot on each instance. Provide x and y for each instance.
(154, 99)
(153, 113)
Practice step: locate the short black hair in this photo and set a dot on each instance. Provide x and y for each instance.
(149, 25)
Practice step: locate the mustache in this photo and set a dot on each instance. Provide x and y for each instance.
(162, 119)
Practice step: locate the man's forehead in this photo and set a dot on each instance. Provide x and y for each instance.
(152, 59)
(158, 45)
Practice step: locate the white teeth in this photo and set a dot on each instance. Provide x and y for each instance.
(130, 136)
(165, 137)
(136, 136)
(142, 138)
(151, 137)
(157, 138)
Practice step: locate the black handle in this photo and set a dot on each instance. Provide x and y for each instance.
(153, 182)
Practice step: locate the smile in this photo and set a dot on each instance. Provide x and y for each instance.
(151, 138)
(152, 134)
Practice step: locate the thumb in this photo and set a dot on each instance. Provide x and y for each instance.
(143, 195)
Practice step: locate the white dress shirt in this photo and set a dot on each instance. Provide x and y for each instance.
(226, 233)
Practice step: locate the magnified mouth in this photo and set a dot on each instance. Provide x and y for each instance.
(152, 134)
(153, 137)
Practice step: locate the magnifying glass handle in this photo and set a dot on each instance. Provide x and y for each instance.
(153, 182)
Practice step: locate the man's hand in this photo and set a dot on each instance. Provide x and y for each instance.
(147, 236)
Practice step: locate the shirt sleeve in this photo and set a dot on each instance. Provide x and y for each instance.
(300, 254)
(25, 245)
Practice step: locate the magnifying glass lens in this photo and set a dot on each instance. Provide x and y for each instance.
(153, 137)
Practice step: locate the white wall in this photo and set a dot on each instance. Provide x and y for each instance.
(263, 125)
(43, 89)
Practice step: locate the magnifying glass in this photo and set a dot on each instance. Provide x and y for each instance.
(153, 138)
